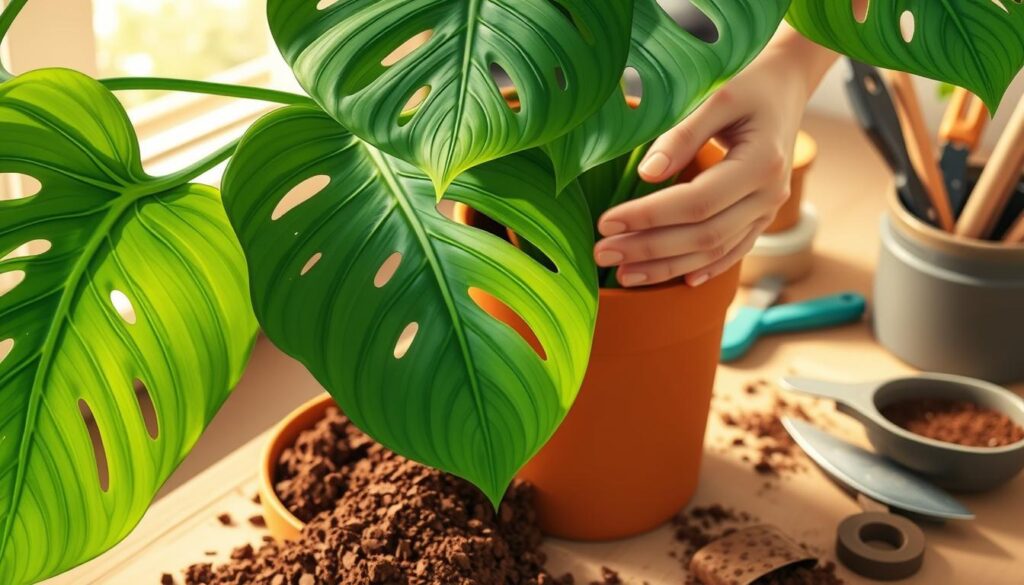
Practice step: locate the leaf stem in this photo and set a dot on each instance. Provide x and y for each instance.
(204, 87)
(623, 192)
(7, 17)
(194, 170)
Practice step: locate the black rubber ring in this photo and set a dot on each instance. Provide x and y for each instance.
(854, 550)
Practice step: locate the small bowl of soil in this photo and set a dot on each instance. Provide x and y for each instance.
(962, 434)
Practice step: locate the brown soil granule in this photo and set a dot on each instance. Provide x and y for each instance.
(225, 519)
(392, 522)
(775, 451)
(608, 577)
(258, 521)
(166, 579)
(699, 526)
(959, 422)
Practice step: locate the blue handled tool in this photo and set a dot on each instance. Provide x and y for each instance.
(759, 317)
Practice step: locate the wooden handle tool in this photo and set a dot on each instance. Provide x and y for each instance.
(997, 181)
(1016, 233)
(919, 145)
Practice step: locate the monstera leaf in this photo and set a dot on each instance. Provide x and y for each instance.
(357, 274)
(677, 73)
(564, 58)
(136, 282)
(976, 44)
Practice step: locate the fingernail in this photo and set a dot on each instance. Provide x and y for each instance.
(654, 165)
(609, 258)
(699, 280)
(632, 279)
(610, 228)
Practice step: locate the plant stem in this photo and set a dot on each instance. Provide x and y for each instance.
(7, 17)
(194, 170)
(623, 192)
(205, 87)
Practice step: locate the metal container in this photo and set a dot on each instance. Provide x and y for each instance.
(949, 304)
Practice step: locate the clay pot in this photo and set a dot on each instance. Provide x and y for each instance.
(627, 457)
(282, 524)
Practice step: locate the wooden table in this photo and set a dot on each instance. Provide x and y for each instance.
(847, 186)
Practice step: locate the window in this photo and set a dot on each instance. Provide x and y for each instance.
(194, 39)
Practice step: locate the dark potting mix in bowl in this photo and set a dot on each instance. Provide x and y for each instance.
(955, 421)
(376, 518)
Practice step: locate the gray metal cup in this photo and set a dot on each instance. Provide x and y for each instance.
(949, 304)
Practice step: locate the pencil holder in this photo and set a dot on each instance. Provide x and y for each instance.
(949, 304)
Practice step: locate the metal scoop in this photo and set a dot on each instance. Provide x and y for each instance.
(954, 467)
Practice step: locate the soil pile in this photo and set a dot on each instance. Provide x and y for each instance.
(378, 518)
(775, 452)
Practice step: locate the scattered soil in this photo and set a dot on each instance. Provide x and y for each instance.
(774, 451)
(699, 526)
(166, 579)
(391, 521)
(258, 521)
(225, 519)
(959, 422)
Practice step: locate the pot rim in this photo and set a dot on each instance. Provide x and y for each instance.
(933, 237)
(284, 432)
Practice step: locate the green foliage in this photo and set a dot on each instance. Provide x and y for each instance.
(186, 332)
(977, 44)
(468, 395)
(677, 72)
(338, 54)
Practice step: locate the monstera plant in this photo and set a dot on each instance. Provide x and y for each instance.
(116, 285)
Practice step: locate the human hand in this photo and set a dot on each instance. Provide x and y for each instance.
(702, 228)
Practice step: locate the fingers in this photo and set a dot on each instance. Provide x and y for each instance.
(726, 262)
(748, 167)
(677, 147)
(712, 236)
(657, 271)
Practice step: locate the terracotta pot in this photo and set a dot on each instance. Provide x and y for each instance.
(804, 154)
(283, 525)
(627, 457)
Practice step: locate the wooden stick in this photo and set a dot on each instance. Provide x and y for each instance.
(919, 145)
(964, 119)
(997, 182)
(1016, 233)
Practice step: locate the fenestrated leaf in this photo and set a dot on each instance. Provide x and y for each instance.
(142, 280)
(677, 72)
(975, 44)
(468, 395)
(339, 53)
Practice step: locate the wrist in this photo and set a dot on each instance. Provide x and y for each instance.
(801, 57)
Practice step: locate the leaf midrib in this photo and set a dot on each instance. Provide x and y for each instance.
(124, 201)
(387, 173)
(472, 15)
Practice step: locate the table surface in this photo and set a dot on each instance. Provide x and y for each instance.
(847, 187)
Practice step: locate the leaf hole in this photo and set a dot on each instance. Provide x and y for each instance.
(18, 186)
(1003, 6)
(412, 105)
(907, 26)
(325, 4)
(506, 87)
(405, 339)
(387, 270)
(98, 451)
(6, 347)
(860, 10)
(503, 313)
(575, 22)
(146, 408)
(405, 49)
(10, 281)
(313, 261)
(692, 19)
(563, 83)
(33, 248)
(123, 305)
(634, 86)
(300, 194)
